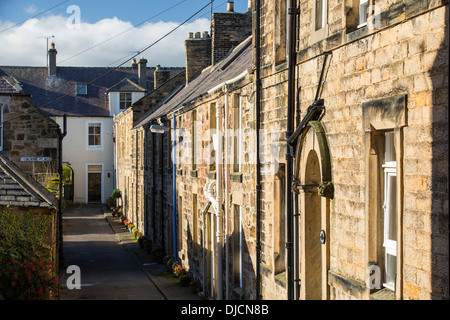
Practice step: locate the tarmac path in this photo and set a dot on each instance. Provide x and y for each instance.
(107, 270)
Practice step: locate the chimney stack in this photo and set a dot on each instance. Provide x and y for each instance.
(134, 64)
(161, 76)
(52, 60)
(198, 53)
(142, 72)
(229, 29)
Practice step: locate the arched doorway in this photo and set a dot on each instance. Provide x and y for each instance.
(314, 188)
(68, 182)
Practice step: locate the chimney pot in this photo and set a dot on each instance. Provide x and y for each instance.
(205, 34)
(197, 35)
(190, 35)
(230, 6)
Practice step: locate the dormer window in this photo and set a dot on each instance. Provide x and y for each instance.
(81, 89)
(125, 100)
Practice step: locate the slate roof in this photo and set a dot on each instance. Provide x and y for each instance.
(45, 89)
(9, 85)
(239, 60)
(126, 85)
(18, 189)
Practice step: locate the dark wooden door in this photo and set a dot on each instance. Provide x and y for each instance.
(95, 186)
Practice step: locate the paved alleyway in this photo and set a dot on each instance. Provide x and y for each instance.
(108, 270)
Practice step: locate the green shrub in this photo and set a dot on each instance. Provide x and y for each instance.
(26, 267)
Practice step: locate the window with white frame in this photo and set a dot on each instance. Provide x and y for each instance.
(237, 137)
(363, 13)
(281, 32)
(390, 212)
(321, 10)
(125, 100)
(94, 135)
(238, 241)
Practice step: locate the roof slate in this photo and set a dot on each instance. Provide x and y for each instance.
(45, 89)
(20, 190)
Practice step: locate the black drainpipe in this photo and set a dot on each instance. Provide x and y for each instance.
(258, 124)
(60, 200)
(293, 12)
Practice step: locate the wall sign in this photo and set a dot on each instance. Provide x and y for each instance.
(39, 159)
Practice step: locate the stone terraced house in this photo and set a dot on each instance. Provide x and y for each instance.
(336, 185)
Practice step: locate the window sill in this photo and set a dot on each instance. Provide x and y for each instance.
(94, 148)
(212, 175)
(237, 294)
(383, 294)
(356, 34)
(236, 177)
(280, 279)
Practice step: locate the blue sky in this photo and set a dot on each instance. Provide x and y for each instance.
(124, 27)
(92, 11)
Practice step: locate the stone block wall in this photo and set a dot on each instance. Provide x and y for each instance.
(28, 132)
(197, 231)
(407, 54)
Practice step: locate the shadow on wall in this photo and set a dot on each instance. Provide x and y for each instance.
(439, 75)
(201, 254)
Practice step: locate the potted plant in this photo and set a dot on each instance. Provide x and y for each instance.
(177, 270)
(141, 241)
(185, 279)
(195, 286)
(170, 261)
(116, 194)
(158, 253)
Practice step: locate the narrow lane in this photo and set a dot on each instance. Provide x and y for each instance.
(108, 270)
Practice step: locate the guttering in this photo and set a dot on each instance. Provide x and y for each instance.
(225, 83)
(293, 11)
(60, 200)
(174, 186)
(315, 112)
(227, 277)
(258, 125)
(219, 196)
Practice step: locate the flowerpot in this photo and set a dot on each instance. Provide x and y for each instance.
(185, 282)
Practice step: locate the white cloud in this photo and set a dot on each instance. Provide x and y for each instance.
(32, 9)
(24, 45)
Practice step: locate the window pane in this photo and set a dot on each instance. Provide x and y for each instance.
(392, 212)
(390, 271)
(319, 14)
(389, 147)
(97, 140)
(94, 168)
(91, 140)
(363, 7)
